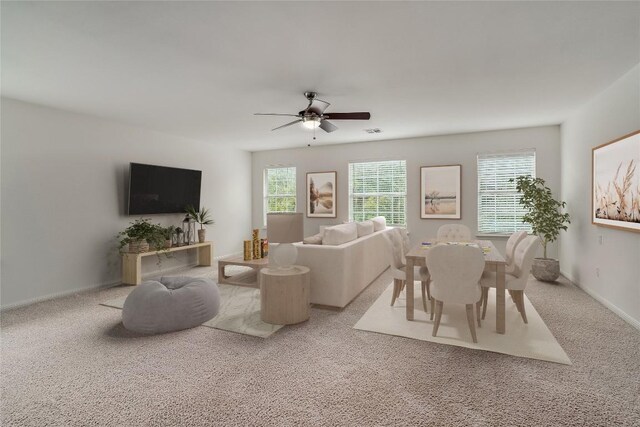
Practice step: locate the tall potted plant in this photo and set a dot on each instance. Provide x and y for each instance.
(202, 217)
(546, 219)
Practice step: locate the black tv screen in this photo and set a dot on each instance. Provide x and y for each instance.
(160, 189)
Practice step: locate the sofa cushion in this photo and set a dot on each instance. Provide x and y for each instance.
(364, 228)
(316, 239)
(379, 223)
(339, 234)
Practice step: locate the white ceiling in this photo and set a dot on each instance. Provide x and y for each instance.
(201, 69)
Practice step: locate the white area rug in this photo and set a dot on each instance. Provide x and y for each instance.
(533, 340)
(239, 312)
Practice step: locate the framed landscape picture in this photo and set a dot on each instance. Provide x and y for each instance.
(615, 185)
(321, 194)
(440, 195)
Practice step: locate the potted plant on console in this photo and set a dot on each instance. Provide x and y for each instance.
(546, 221)
(168, 235)
(140, 236)
(203, 217)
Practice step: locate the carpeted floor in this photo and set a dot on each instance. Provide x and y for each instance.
(69, 362)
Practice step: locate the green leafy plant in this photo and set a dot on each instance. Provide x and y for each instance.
(544, 214)
(169, 232)
(203, 217)
(142, 229)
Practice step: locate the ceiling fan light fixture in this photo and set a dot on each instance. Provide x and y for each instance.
(311, 122)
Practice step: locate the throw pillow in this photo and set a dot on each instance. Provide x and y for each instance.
(339, 234)
(364, 228)
(316, 239)
(379, 223)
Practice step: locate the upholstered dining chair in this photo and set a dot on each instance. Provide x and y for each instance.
(455, 271)
(454, 233)
(512, 243)
(397, 243)
(516, 281)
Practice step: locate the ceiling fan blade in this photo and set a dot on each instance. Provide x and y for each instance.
(348, 116)
(328, 126)
(288, 124)
(274, 114)
(317, 106)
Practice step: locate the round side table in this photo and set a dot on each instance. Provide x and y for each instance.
(285, 295)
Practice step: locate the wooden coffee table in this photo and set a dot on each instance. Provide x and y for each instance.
(246, 278)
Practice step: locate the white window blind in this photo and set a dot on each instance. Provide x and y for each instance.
(499, 210)
(279, 190)
(378, 188)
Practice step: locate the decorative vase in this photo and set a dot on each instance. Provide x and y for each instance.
(201, 235)
(546, 269)
(248, 250)
(138, 246)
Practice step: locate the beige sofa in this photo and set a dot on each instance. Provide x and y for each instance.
(339, 273)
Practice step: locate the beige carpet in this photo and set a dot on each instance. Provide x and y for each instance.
(70, 362)
(533, 340)
(239, 312)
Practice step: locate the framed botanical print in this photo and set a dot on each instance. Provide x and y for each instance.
(615, 188)
(321, 194)
(440, 195)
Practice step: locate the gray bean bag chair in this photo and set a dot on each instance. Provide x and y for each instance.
(172, 304)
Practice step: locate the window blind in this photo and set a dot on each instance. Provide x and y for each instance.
(279, 190)
(378, 188)
(499, 210)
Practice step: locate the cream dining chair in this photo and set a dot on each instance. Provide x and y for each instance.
(455, 271)
(454, 233)
(516, 281)
(512, 243)
(398, 246)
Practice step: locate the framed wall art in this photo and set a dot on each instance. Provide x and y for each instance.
(440, 195)
(321, 194)
(615, 183)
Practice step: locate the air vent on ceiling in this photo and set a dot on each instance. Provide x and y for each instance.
(374, 130)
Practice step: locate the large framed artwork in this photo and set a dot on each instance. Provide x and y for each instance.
(615, 183)
(440, 195)
(321, 194)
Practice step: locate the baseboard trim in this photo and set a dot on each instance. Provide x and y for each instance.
(624, 316)
(98, 286)
(59, 295)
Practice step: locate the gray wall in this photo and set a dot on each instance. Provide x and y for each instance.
(610, 115)
(64, 190)
(437, 150)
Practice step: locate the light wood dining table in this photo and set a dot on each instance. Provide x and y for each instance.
(493, 259)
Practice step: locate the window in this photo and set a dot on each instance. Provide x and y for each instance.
(279, 190)
(378, 188)
(498, 207)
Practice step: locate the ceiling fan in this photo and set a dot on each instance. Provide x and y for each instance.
(314, 116)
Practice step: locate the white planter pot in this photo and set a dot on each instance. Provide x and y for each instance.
(201, 235)
(546, 269)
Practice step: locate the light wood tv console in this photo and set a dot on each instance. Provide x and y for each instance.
(132, 262)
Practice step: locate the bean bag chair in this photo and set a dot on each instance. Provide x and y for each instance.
(171, 304)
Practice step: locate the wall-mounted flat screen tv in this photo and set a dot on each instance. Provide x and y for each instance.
(160, 189)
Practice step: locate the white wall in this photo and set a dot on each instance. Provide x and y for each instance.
(64, 190)
(437, 150)
(610, 115)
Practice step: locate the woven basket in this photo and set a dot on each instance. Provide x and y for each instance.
(138, 246)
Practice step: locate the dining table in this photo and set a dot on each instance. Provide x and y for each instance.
(494, 261)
